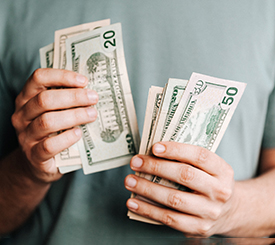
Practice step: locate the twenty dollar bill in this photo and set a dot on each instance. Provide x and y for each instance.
(69, 159)
(113, 138)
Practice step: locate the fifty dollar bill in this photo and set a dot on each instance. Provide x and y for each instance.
(201, 118)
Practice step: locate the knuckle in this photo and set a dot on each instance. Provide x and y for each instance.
(147, 191)
(45, 122)
(215, 213)
(225, 194)
(70, 137)
(37, 75)
(15, 120)
(66, 75)
(26, 145)
(47, 146)
(167, 219)
(86, 92)
(154, 165)
(22, 138)
(79, 115)
(75, 96)
(204, 229)
(146, 213)
(202, 156)
(187, 174)
(174, 200)
(44, 100)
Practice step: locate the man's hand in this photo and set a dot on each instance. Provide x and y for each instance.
(43, 110)
(200, 213)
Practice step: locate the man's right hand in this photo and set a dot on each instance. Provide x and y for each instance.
(43, 110)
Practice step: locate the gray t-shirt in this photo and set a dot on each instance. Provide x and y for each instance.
(162, 39)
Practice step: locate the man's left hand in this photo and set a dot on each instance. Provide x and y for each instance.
(202, 212)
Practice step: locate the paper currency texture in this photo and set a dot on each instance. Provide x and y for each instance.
(113, 138)
(200, 118)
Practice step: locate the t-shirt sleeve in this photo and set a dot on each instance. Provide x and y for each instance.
(269, 130)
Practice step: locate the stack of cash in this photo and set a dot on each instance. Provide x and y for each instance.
(195, 112)
(96, 51)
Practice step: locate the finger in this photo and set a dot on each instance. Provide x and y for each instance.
(45, 78)
(194, 155)
(179, 221)
(181, 173)
(50, 100)
(55, 121)
(51, 146)
(181, 201)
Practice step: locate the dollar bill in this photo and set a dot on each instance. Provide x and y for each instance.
(154, 120)
(173, 93)
(205, 111)
(201, 118)
(203, 114)
(46, 56)
(67, 169)
(113, 138)
(153, 105)
(46, 61)
(159, 119)
(70, 158)
(60, 37)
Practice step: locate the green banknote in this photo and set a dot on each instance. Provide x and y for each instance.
(62, 35)
(205, 111)
(174, 90)
(69, 159)
(200, 118)
(46, 56)
(113, 138)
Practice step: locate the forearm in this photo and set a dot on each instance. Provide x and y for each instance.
(20, 192)
(253, 213)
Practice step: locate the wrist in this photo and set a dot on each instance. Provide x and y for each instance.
(20, 192)
(230, 222)
(24, 173)
(39, 175)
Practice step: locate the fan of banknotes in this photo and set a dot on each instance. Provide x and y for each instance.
(96, 51)
(196, 112)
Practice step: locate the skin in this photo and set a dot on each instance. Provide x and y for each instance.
(27, 173)
(218, 205)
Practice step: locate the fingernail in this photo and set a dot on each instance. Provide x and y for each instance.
(81, 79)
(77, 131)
(92, 95)
(131, 182)
(132, 205)
(136, 162)
(91, 112)
(158, 148)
